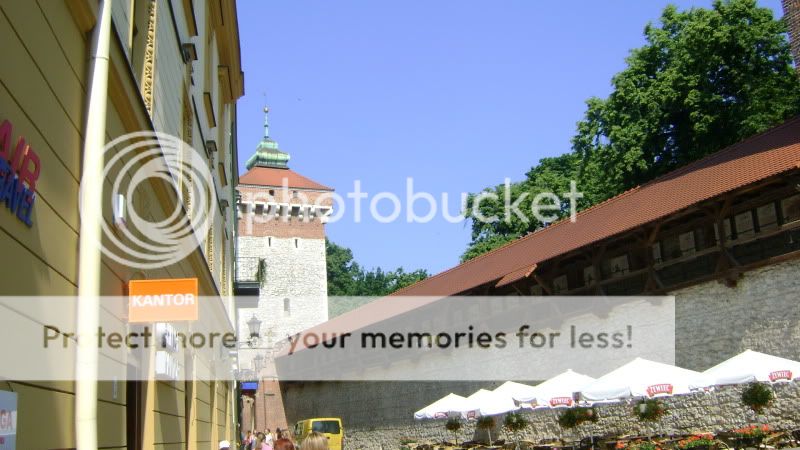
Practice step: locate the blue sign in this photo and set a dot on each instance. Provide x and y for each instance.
(8, 420)
(19, 170)
(246, 386)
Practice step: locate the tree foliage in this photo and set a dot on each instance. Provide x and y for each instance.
(343, 270)
(705, 79)
(551, 175)
(347, 278)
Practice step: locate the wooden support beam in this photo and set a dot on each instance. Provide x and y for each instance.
(546, 286)
(597, 256)
(653, 282)
(726, 261)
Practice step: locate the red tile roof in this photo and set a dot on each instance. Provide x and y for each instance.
(757, 158)
(517, 275)
(275, 177)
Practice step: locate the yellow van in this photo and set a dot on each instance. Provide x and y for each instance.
(331, 427)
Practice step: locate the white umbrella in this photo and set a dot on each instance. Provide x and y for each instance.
(487, 403)
(642, 378)
(440, 409)
(514, 390)
(557, 391)
(753, 366)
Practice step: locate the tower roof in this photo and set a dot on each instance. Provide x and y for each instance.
(269, 166)
(272, 177)
(267, 153)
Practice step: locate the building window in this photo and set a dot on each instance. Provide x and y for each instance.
(588, 275)
(767, 217)
(705, 237)
(670, 248)
(727, 229)
(790, 207)
(560, 284)
(657, 252)
(615, 267)
(686, 242)
(296, 243)
(744, 224)
(269, 241)
(287, 310)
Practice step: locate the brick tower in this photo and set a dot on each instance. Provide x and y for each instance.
(281, 251)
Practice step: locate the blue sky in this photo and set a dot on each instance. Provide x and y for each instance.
(456, 94)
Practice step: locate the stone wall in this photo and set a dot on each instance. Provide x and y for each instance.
(761, 313)
(718, 411)
(367, 404)
(295, 271)
(714, 322)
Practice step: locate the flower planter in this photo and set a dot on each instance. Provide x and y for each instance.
(747, 442)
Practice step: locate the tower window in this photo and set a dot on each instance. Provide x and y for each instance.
(287, 307)
(295, 194)
(296, 243)
(269, 241)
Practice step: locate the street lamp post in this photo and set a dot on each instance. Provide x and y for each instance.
(254, 325)
(258, 364)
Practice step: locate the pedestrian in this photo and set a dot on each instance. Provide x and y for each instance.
(268, 437)
(248, 440)
(224, 445)
(261, 442)
(315, 441)
(283, 444)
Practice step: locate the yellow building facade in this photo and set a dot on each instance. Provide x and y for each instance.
(174, 67)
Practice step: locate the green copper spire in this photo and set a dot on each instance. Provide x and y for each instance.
(267, 153)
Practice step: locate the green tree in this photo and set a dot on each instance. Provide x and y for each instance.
(493, 226)
(346, 278)
(485, 244)
(401, 278)
(342, 269)
(705, 79)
